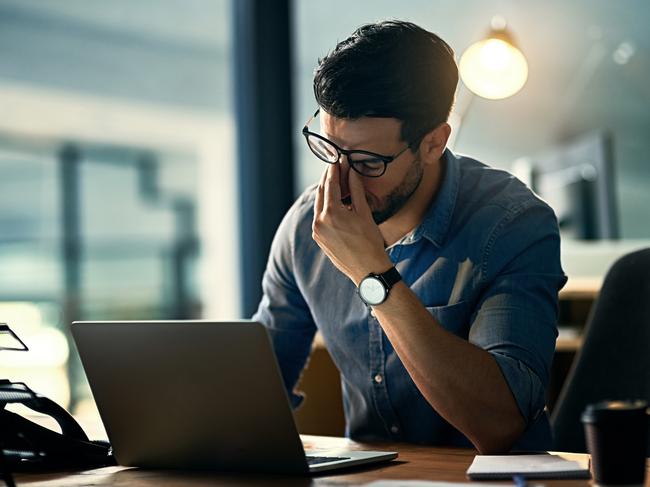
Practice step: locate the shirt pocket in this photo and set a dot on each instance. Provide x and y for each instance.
(453, 318)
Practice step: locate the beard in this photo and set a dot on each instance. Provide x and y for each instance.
(397, 198)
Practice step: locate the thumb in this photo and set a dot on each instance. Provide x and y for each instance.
(358, 193)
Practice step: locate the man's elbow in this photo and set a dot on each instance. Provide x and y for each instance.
(500, 440)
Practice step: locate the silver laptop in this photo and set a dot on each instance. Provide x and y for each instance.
(197, 395)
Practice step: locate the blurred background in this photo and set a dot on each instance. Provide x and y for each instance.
(149, 148)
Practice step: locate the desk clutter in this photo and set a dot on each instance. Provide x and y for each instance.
(27, 446)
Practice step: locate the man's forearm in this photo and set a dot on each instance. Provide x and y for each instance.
(461, 381)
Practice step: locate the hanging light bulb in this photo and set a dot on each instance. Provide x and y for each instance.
(494, 67)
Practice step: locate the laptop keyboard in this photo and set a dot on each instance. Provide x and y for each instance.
(315, 460)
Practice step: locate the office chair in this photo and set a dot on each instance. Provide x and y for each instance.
(614, 361)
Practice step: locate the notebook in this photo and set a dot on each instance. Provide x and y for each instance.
(538, 466)
(425, 483)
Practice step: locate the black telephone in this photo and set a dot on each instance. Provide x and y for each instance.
(27, 446)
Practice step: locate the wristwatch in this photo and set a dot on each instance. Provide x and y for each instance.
(374, 288)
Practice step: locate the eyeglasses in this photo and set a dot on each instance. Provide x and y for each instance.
(366, 163)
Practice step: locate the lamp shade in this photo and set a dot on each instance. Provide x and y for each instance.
(494, 67)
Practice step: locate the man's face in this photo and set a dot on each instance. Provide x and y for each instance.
(387, 194)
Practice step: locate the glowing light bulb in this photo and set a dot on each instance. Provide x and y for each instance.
(493, 68)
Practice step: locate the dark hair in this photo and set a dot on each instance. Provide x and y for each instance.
(389, 69)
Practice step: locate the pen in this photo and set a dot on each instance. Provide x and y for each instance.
(519, 480)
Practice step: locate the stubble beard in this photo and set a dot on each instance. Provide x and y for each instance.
(397, 198)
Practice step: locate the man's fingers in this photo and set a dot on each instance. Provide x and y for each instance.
(333, 186)
(318, 203)
(358, 193)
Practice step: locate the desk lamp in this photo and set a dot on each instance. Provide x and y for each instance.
(493, 68)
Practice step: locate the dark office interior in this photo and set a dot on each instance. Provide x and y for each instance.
(149, 150)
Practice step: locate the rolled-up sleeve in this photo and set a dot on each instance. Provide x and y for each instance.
(282, 309)
(516, 316)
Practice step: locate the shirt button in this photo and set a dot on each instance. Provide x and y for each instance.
(372, 313)
(378, 378)
(394, 429)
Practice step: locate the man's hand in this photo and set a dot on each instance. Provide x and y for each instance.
(347, 233)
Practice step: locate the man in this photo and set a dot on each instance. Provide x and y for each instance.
(433, 278)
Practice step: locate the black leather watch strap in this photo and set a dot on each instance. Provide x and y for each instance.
(390, 277)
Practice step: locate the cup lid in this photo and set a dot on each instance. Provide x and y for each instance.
(609, 409)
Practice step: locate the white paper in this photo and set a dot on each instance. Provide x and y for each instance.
(424, 483)
(524, 464)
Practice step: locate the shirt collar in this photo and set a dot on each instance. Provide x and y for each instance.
(436, 222)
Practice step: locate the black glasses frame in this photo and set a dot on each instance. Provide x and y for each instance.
(347, 153)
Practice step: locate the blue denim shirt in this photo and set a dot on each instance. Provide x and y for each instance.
(485, 262)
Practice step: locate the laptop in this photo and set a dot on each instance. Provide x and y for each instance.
(197, 395)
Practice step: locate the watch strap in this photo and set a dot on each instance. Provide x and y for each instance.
(390, 277)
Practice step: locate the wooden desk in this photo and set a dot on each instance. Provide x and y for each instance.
(581, 288)
(414, 462)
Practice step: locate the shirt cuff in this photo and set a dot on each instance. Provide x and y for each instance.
(525, 385)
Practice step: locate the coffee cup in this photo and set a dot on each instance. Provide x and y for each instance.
(616, 434)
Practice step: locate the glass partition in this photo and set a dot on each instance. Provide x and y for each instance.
(117, 177)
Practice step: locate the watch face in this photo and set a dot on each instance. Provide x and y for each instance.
(372, 291)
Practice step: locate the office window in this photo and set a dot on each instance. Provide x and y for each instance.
(117, 177)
